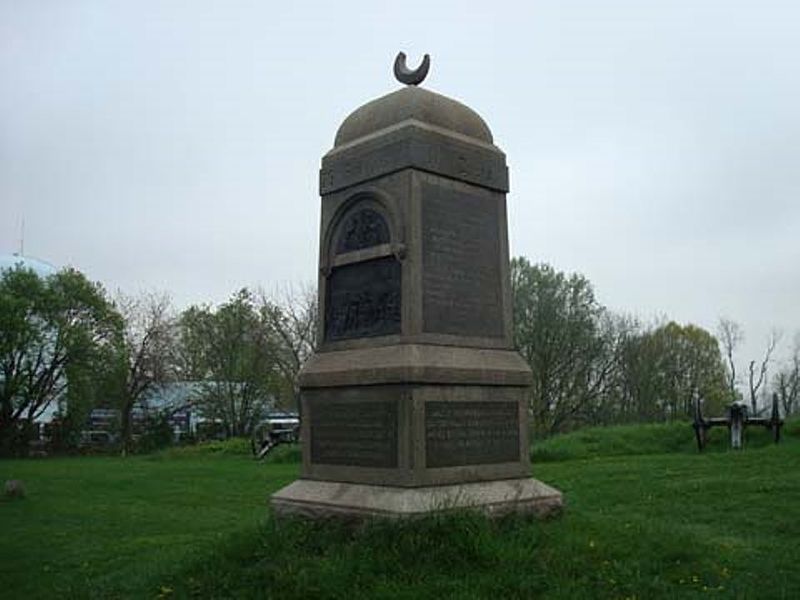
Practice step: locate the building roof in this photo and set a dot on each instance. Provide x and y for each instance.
(40, 267)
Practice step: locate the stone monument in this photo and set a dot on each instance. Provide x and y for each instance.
(415, 400)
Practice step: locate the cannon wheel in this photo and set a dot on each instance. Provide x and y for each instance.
(261, 441)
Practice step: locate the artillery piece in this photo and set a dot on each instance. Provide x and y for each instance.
(736, 419)
(275, 430)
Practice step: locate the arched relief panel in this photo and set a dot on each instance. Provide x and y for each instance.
(363, 227)
(364, 224)
(363, 272)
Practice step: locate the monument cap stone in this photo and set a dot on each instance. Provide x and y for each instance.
(413, 128)
(412, 103)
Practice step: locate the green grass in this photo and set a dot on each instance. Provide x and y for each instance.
(111, 526)
(646, 517)
(677, 437)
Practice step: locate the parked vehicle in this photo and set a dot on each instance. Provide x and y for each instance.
(96, 439)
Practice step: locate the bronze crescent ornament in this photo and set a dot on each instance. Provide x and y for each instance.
(411, 76)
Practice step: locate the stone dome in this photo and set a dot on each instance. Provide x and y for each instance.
(412, 102)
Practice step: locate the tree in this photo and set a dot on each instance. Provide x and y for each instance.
(292, 328)
(671, 365)
(755, 381)
(593, 367)
(150, 354)
(639, 377)
(787, 382)
(730, 335)
(615, 401)
(566, 337)
(54, 332)
(229, 351)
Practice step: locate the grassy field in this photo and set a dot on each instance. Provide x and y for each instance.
(646, 517)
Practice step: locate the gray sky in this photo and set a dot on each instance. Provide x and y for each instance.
(171, 145)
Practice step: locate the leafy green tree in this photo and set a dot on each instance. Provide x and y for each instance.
(55, 335)
(593, 367)
(567, 337)
(229, 350)
(667, 368)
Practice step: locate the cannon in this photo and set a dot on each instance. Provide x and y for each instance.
(276, 429)
(736, 419)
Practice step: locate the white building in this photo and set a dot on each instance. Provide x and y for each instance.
(42, 269)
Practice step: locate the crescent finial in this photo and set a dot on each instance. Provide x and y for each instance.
(409, 76)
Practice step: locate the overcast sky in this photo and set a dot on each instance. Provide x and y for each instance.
(653, 145)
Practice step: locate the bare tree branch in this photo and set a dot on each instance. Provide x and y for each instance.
(755, 382)
(730, 335)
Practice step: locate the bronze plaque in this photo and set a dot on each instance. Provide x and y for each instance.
(363, 300)
(471, 433)
(363, 228)
(353, 433)
(461, 280)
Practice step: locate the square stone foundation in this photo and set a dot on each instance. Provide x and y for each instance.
(329, 499)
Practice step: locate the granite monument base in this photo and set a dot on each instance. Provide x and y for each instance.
(330, 499)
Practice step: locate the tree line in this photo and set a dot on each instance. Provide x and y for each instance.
(594, 367)
(68, 346)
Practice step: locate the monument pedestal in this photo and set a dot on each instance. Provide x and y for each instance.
(326, 499)
(408, 429)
